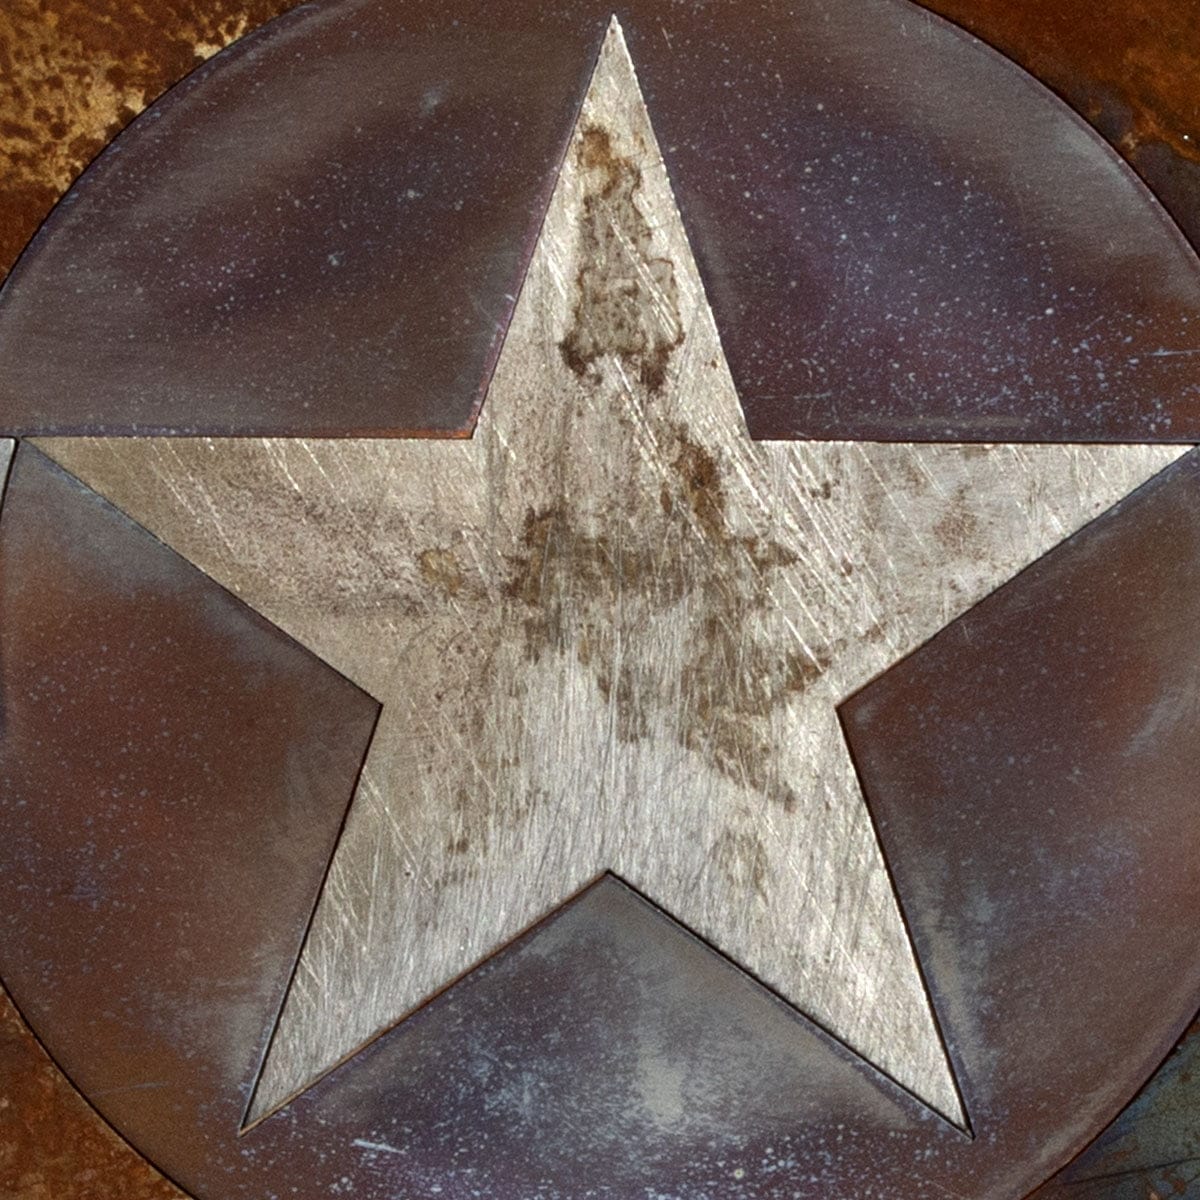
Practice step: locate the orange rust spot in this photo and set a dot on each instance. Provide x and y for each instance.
(73, 73)
(1145, 56)
(52, 1145)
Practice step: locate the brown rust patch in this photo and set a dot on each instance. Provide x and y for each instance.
(627, 299)
(563, 572)
(701, 484)
(958, 527)
(595, 596)
(440, 568)
(1130, 69)
(52, 1145)
(73, 73)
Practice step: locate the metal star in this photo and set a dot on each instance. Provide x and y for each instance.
(609, 632)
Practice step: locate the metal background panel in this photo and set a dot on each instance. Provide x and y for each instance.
(175, 774)
(625, 444)
(608, 615)
(716, 1179)
(1031, 773)
(887, 215)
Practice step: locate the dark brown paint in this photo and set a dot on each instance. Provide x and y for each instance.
(173, 776)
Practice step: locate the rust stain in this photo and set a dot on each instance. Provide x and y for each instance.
(1145, 54)
(74, 73)
(441, 568)
(627, 304)
(958, 528)
(1130, 69)
(589, 593)
(52, 1145)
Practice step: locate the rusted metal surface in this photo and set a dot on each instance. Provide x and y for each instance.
(52, 1145)
(610, 1049)
(1131, 69)
(175, 773)
(654, 1116)
(73, 73)
(607, 404)
(888, 218)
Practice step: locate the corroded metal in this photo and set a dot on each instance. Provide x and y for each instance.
(75, 73)
(888, 219)
(608, 617)
(1129, 68)
(52, 1145)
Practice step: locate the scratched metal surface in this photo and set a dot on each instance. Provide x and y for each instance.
(903, 236)
(662, 1084)
(610, 548)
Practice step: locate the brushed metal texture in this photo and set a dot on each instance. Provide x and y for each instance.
(609, 632)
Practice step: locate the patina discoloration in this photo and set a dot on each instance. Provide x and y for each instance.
(627, 301)
(1152, 1150)
(609, 606)
(73, 73)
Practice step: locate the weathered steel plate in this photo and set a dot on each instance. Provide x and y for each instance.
(609, 603)
(525, 1078)
(173, 775)
(322, 231)
(608, 938)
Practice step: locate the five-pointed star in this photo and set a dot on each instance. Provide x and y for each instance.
(609, 632)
